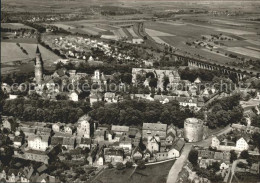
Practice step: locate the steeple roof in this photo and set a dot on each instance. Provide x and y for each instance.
(37, 49)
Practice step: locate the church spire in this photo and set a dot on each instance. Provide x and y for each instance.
(37, 49)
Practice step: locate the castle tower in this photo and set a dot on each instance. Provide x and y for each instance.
(38, 67)
(193, 130)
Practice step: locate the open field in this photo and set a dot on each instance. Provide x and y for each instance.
(15, 26)
(151, 174)
(244, 51)
(10, 53)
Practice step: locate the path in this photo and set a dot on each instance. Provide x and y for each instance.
(177, 166)
(233, 168)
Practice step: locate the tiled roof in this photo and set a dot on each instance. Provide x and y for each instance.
(44, 138)
(155, 126)
(85, 141)
(56, 140)
(178, 144)
(117, 128)
(114, 152)
(68, 141)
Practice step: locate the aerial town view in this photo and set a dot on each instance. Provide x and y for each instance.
(130, 91)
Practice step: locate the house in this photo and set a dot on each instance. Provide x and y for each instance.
(68, 130)
(57, 127)
(28, 131)
(18, 141)
(95, 97)
(241, 144)
(153, 144)
(9, 123)
(125, 143)
(197, 81)
(169, 139)
(120, 129)
(223, 166)
(74, 96)
(38, 156)
(84, 143)
(69, 142)
(43, 131)
(113, 155)
(187, 101)
(6, 88)
(172, 129)
(100, 134)
(161, 156)
(83, 129)
(110, 97)
(100, 157)
(147, 154)
(12, 97)
(56, 140)
(37, 142)
(3, 175)
(137, 153)
(45, 178)
(176, 149)
(223, 144)
(152, 129)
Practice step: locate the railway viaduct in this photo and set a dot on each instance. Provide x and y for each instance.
(241, 73)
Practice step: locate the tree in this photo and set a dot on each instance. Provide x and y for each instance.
(120, 166)
(110, 165)
(193, 157)
(129, 164)
(244, 155)
(233, 156)
(153, 82)
(141, 164)
(215, 166)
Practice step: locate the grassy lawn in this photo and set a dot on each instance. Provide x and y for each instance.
(151, 174)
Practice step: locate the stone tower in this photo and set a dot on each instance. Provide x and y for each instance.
(38, 67)
(193, 130)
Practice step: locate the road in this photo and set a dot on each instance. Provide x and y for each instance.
(177, 166)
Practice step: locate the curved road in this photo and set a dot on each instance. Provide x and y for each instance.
(177, 166)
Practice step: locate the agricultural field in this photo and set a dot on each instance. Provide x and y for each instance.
(92, 27)
(151, 174)
(178, 33)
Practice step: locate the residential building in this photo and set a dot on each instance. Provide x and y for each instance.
(83, 129)
(113, 155)
(120, 129)
(153, 144)
(152, 129)
(176, 149)
(39, 143)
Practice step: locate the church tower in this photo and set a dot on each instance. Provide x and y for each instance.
(38, 67)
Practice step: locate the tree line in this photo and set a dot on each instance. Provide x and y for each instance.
(137, 112)
(45, 110)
